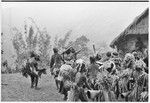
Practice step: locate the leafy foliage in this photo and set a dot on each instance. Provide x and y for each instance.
(81, 43)
(62, 43)
(44, 46)
(33, 39)
(56, 41)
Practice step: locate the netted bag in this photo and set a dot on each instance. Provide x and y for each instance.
(107, 82)
(129, 61)
(100, 76)
(142, 79)
(65, 71)
(140, 65)
(68, 84)
(129, 57)
(124, 78)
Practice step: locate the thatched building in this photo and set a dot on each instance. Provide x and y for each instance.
(134, 37)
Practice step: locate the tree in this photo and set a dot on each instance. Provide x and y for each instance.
(19, 46)
(33, 39)
(81, 43)
(62, 43)
(56, 41)
(44, 47)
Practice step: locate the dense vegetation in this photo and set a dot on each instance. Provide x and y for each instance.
(33, 38)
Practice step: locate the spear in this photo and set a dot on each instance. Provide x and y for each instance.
(75, 54)
(94, 49)
(78, 51)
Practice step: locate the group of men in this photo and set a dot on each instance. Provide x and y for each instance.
(77, 69)
(84, 77)
(74, 75)
(87, 76)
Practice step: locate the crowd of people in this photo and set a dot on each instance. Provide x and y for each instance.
(109, 79)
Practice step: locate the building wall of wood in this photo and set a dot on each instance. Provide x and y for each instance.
(128, 45)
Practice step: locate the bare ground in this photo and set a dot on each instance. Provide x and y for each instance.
(15, 87)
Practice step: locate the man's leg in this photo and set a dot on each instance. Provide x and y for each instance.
(61, 86)
(32, 81)
(57, 82)
(36, 81)
(65, 94)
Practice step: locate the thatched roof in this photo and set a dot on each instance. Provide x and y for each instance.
(138, 27)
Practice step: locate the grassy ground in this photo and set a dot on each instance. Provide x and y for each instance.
(15, 87)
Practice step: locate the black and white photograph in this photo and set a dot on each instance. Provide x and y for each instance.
(74, 51)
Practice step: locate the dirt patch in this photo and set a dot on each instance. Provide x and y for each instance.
(15, 87)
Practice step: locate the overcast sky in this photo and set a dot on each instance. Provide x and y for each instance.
(99, 21)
